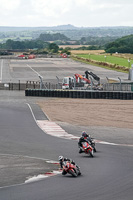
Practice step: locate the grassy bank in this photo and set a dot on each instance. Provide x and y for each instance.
(119, 61)
(104, 64)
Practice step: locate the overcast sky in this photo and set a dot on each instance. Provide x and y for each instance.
(86, 13)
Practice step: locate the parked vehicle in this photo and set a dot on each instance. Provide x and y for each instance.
(77, 80)
(71, 169)
(68, 82)
(88, 149)
(82, 81)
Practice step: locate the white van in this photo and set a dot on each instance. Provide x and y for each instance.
(68, 82)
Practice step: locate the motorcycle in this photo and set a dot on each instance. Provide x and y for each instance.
(88, 149)
(71, 169)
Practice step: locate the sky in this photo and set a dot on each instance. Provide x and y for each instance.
(80, 13)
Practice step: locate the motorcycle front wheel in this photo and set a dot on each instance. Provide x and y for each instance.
(74, 174)
(94, 149)
(91, 153)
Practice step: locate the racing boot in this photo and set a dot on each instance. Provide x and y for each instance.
(81, 150)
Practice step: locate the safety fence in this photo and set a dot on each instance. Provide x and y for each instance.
(128, 87)
(79, 94)
(28, 84)
(118, 87)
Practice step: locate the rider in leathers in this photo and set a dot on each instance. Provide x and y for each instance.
(62, 159)
(84, 138)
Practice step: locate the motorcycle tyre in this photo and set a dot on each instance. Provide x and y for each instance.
(79, 173)
(64, 172)
(91, 154)
(74, 174)
(94, 149)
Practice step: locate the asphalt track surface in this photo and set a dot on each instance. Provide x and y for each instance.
(28, 70)
(107, 176)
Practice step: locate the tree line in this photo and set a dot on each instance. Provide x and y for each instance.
(34, 46)
(43, 44)
(53, 37)
(28, 44)
(121, 45)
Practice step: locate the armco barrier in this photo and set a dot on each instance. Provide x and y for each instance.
(83, 94)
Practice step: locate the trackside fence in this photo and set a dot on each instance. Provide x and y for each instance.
(28, 84)
(79, 94)
(118, 87)
(112, 87)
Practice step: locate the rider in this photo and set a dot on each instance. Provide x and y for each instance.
(84, 138)
(62, 159)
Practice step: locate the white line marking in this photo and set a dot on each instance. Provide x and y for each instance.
(115, 144)
(42, 176)
(1, 71)
(52, 162)
(25, 156)
(32, 112)
(53, 129)
(44, 124)
(12, 185)
(33, 70)
(56, 172)
(36, 178)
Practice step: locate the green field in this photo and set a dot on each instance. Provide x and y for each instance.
(108, 58)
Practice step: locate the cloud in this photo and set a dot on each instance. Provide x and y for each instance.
(52, 8)
(57, 12)
(7, 5)
(57, 8)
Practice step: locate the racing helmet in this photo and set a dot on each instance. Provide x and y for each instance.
(84, 134)
(60, 158)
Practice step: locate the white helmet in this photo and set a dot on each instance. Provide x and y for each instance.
(60, 158)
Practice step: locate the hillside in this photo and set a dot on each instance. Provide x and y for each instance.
(121, 45)
(70, 31)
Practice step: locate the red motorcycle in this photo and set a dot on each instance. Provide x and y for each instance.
(88, 149)
(71, 169)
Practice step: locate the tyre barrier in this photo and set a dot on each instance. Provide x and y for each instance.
(82, 94)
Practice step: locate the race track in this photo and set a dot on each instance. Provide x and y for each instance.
(25, 148)
(106, 176)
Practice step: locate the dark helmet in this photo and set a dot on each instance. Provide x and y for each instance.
(60, 158)
(84, 134)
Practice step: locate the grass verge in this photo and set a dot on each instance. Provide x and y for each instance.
(101, 64)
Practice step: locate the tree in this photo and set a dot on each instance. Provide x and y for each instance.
(53, 37)
(66, 50)
(9, 44)
(53, 47)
